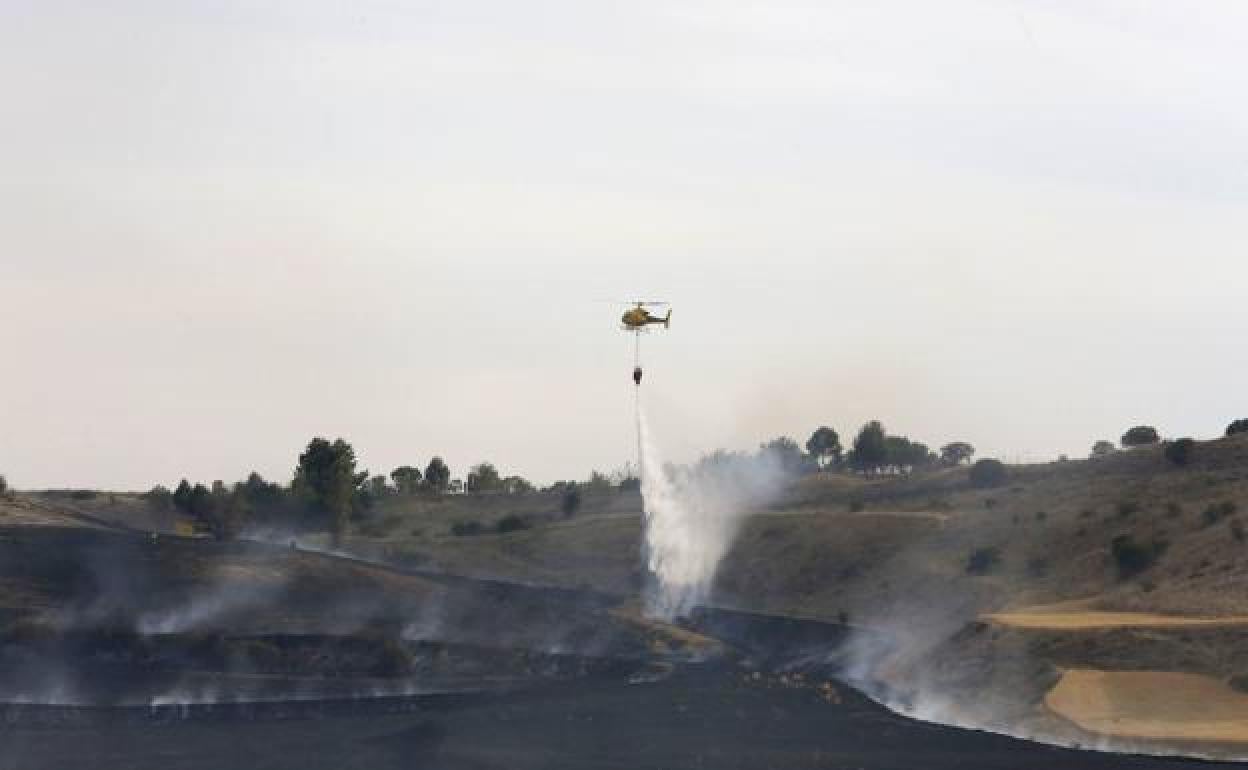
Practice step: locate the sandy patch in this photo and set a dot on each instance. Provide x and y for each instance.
(1086, 621)
(1160, 705)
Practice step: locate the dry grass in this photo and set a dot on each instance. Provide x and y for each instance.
(1156, 705)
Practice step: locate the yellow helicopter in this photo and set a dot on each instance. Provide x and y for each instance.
(637, 318)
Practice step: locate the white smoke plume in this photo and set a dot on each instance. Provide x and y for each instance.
(691, 516)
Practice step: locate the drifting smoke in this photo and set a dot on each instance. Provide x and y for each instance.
(691, 517)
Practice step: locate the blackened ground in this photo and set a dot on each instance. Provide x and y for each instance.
(701, 717)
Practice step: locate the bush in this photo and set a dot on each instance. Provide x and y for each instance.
(83, 494)
(1102, 448)
(1238, 426)
(1127, 507)
(1140, 435)
(1173, 510)
(856, 506)
(1215, 512)
(982, 560)
(511, 523)
(988, 473)
(1180, 452)
(467, 528)
(1132, 557)
(1237, 530)
(4, 484)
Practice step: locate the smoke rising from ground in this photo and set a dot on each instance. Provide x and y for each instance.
(691, 516)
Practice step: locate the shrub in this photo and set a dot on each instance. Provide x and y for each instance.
(988, 473)
(1126, 508)
(1087, 513)
(856, 506)
(1174, 510)
(1041, 515)
(1238, 426)
(1237, 530)
(1140, 435)
(467, 528)
(4, 484)
(1132, 557)
(1215, 512)
(82, 494)
(511, 523)
(1180, 452)
(1102, 448)
(982, 561)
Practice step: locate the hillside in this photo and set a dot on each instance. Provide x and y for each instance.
(988, 595)
(901, 562)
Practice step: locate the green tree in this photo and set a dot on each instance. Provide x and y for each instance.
(378, 488)
(1238, 426)
(182, 496)
(516, 485)
(1140, 435)
(437, 475)
(988, 473)
(1180, 452)
(785, 452)
(261, 494)
(956, 453)
(406, 479)
(905, 455)
(570, 503)
(483, 477)
(599, 483)
(326, 478)
(870, 451)
(825, 446)
(1102, 448)
(230, 516)
(202, 505)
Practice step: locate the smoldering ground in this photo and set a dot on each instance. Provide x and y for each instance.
(120, 616)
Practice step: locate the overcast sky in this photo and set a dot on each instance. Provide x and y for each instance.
(226, 227)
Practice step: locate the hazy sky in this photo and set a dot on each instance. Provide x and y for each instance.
(226, 227)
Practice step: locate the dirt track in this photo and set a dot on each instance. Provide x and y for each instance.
(1094, 620)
